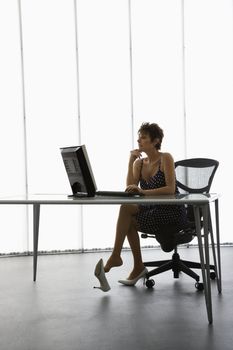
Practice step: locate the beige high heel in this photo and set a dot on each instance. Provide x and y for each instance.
(132, 282)
(100, 274)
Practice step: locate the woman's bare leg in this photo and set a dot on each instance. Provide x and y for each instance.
(134, 243)
(124, 223)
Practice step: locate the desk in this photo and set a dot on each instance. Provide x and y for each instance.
(200, 202)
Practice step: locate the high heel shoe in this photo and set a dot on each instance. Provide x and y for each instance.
(100, 274)
(132, 282)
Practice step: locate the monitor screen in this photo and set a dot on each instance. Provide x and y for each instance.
(79, 170)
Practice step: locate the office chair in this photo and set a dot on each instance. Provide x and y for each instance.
(193, 176)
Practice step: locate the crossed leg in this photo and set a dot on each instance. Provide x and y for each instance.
(126, 227)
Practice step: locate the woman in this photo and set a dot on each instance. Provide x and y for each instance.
(152, 175)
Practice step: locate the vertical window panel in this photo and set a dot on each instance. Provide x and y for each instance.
(157, 69)
(103, 36)
(209, 74)
(51, 111)
(13, 227)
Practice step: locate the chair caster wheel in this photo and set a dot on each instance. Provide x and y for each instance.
(150, 283)
(199, 286)
(212, 275)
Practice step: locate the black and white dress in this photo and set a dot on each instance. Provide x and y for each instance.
(151, 217)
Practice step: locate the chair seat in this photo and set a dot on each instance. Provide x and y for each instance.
(169, 236)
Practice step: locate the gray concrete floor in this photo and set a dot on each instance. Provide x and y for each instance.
(62, 310)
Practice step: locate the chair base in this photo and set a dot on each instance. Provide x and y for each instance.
(176, 265)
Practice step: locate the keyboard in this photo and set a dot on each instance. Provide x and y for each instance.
(118, 194)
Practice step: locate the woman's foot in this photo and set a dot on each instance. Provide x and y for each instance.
(132, 281)
(113, 262)
(136, 272)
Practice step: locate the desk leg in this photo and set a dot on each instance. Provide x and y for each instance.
(204, 259)
(36, 219)
(218, 247)
(216, 263)
(205, 210)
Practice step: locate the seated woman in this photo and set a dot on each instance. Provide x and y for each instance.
(152, 175)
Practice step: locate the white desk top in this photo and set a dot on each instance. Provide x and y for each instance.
(63, 199)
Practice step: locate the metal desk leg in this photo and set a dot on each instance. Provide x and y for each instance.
(218, 247)
(204, 260)
(36, 219)
(205, 211)
(216, 266)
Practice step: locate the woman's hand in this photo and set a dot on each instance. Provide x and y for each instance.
(133, 189)
(134, 154)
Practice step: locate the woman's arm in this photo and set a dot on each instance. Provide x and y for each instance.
(134, 168)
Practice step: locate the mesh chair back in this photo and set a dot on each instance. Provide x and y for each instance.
(195, 175)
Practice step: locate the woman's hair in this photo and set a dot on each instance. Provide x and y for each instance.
(154, 131)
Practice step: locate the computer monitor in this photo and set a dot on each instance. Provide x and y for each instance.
(79, 170)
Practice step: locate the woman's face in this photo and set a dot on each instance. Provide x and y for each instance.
(145, 143)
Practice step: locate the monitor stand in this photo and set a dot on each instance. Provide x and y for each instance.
(78, 195)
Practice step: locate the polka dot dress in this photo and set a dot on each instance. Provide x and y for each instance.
(151, 217)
